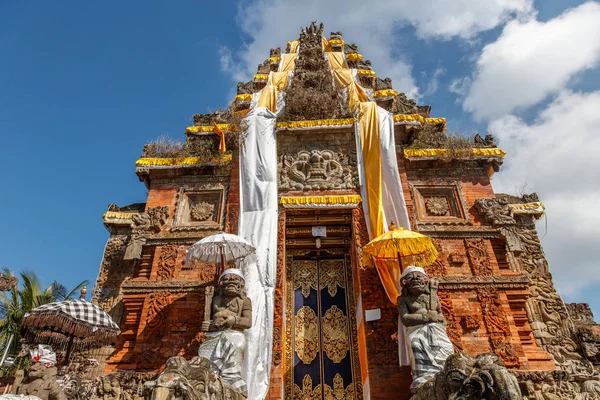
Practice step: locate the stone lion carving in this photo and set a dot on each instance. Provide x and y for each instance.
(40, 381)
(317, 169)
(193, 380)
(465, 378)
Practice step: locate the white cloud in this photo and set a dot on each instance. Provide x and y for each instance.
(434, 81)
(557, 156)
(533, 59)
(271, 23)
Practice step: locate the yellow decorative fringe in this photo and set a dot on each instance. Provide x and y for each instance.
(354, 57)
(243, 97)
(336, 42)
(331, 200)
(385, 93)
(416, 153)
(261, 77)
(366, 72)
(210, 128)
(168, 162)
(420, 119)
(274, 60)
(315, 123)
(117, 215)
(528, 208)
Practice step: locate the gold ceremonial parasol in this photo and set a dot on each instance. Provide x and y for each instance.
(399, 243)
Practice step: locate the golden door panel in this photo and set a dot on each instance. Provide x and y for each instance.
(320, 362)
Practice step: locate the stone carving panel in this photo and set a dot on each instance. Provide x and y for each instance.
(497, 326)
(452, 321)
(439, 203)
(166, 263)
(437, 206)
(201, 211)
(478, 257)
(548, 316)
(107, 292)
(316, 169)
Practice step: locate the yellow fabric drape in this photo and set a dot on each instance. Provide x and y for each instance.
(280, 80)
(343, 79)
(293, 46)
(161, 162)
(371, 151)
(368, 120)
(324, 123)
(268, 97)
(336, 60)
(415, 153)
(389, 274)
(288, 63)
(325, 43)
(330, 200)
(209, 128)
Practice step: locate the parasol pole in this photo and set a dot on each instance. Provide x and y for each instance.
(69, 348)
(400, 263)
(222, 259)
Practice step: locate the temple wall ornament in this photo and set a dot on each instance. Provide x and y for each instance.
(200, 207)
(439, 203)
(547, 313)
(317, 169)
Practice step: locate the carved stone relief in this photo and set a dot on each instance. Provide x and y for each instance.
(200, 207)
(317, 169)
(144, 224)
(444, 204)
(478, 256)
(497, 326)
(201, 211)
(548, 316)
(452, 321)
(166, 263)
(107, 291)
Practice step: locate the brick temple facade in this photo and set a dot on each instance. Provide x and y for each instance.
(494, 281)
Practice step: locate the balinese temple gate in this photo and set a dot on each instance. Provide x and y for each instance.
(316, 156)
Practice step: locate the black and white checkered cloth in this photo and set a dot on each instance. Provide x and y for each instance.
(79, 310)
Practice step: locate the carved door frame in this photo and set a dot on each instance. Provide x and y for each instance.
(351, 315)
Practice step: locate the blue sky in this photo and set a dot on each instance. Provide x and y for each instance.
(83, 86)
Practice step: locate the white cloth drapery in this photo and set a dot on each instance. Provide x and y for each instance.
(258, 225)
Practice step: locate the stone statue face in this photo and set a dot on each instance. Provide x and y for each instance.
(36, 371)
(415, 282)
(232, 285)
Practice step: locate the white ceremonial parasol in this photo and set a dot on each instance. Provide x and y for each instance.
(222, 247)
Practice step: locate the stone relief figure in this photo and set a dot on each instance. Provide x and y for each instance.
(317, 169)
(191, 380)
(465, 378)
(40, 381)
(421, 313)
(231, 314)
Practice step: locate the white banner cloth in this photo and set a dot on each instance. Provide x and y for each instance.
(258, 225)
(394, 205)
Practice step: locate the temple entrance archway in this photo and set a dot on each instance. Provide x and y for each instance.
(321, 346)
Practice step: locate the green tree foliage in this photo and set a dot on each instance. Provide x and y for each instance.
(24, 297)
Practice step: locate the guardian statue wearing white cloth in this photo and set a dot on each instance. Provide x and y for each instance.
(421, 313)
(231, 313)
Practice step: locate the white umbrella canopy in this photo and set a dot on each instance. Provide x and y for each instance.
(220, 248)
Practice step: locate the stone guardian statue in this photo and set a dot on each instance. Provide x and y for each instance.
(231, 314)
(421, 313)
